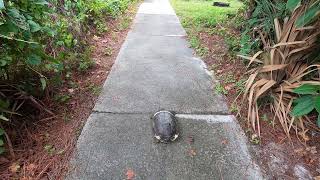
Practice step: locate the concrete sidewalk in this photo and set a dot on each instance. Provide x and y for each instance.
(157, 70)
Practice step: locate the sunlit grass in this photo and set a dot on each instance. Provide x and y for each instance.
(199, 13)
(200, 16)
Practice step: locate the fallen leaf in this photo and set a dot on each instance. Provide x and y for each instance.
(228, 87)
(312, 150)
(301, 152)
(96, 38)
(190, 139)
(130, 174)
(192, 152)
(30, 167)
(70, 91)
(225, 142)
(304, 135)
(311, 160)
(14, 167)
(316, 178)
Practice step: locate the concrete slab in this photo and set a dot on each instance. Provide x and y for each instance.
(148, 73)
(111, 144)
(156, 70)
(159, 18)
(156, 7)
(157, 25)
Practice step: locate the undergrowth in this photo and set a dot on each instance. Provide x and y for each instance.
(43, 42)
(284, 67)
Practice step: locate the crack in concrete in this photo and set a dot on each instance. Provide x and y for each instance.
(204, 113)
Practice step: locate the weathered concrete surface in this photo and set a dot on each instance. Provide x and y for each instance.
(157, 25)
(156, 70)
(111, 144)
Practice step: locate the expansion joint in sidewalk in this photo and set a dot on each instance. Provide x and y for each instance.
(203, 113)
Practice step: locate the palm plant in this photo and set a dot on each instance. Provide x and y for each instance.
(285, 65)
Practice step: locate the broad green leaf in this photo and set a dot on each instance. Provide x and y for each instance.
(301, 99)
(3, 62)
(8, 28)
(1, 131)
(317, 103)
(18, 19)
(307, 89)
(34, 59)
(2, 150)
(2, 117)
(303, 107)
(2, 5)
(293, 4)
(308, 16)
(43, 83)
(34, 27)
(49, 31)
(1, 142)
(318, 121)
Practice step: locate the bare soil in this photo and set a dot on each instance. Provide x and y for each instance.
(279, 157)
(42, 149)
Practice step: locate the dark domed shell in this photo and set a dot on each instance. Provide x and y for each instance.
(164, 126)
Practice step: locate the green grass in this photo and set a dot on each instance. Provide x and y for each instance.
(199, 16)
(220, 89)
(200, 13)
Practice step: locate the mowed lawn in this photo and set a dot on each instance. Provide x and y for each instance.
(202, 13)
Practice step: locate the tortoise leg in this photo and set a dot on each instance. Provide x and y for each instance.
(156, 139)
(174, 137)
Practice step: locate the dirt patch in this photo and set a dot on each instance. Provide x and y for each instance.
(279, 157)
(46, 146)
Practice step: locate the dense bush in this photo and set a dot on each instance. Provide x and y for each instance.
(308, 101)
(261, 20)
(40, 41)
(33, 32)
(284, 71)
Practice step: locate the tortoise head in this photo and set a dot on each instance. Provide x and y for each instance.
(163, 138)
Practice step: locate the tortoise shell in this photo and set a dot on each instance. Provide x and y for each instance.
(164, 126)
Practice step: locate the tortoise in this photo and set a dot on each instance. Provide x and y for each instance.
(164, 126)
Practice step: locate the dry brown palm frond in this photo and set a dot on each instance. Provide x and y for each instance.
(279, 69)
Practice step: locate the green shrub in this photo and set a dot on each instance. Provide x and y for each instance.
(280, 67)
(42, 40)
(262, 19)
(22, 34)
(308, 101)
